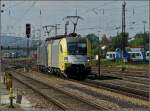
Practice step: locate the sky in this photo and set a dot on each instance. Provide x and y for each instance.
(99, 17)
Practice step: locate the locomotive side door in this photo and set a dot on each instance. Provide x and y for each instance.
(49, 54)
(62, 53)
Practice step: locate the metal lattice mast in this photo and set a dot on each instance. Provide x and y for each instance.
(0, 34)
(123, 27)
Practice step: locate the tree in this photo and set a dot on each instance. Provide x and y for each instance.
(105, 40)
(94, 41)
(139, 39)
(142, 35)
(137, 42)
(117, 41)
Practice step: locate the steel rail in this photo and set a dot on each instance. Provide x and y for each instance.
(116, 88)
(84, 100)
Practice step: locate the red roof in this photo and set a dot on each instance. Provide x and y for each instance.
(136, 46)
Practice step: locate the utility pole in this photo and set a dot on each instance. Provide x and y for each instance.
(144, 39)
(56, 28)
(99, 55)
(66, 24)
(123, 27)
(149, 48)
(0, 50)
(1, 11)
(40, 28)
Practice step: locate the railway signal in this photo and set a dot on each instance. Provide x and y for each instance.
(28, 35)
(28, 30)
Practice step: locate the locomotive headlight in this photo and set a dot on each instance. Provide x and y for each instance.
(88, 59)
(66, 59)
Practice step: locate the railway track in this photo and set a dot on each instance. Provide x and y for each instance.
(126, 90)
(140, 80)
(115, 71)
(66, 83)
(131, 92)
(127, 76)
(116, 88)
(136, 70)
(61, 98)
(35, 99)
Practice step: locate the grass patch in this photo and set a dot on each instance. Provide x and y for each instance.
(121, 64)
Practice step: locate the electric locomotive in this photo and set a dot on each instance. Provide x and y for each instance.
(65, 55)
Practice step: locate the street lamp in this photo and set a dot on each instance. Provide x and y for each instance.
(100, 48)
(103, 47)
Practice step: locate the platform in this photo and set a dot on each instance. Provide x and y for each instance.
(5, 102)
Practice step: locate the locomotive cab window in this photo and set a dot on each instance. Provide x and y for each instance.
(77, 48)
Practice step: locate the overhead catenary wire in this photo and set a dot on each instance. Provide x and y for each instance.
(14, 5)
(129, 10)
(25, 13)
(105, 10)
(115, 19)
(109, 9)
(22, 16)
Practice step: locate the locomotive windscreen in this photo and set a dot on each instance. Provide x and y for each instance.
(75, 48)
